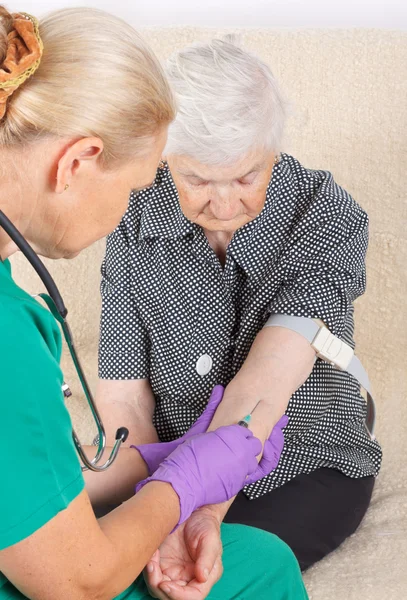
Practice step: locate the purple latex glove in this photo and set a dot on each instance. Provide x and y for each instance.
(154, 454)
(272, 450)
(210, 468)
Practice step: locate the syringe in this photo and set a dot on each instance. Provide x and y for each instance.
(246, 420)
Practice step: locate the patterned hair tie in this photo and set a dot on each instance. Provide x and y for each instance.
(23, 56)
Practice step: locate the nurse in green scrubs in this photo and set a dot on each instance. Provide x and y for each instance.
(84, 110)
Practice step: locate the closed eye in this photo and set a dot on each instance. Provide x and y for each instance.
(248, 179)
(196, 181)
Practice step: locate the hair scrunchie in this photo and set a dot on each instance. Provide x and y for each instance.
(23, 56)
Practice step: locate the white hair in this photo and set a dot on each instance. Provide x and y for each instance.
(228, 101)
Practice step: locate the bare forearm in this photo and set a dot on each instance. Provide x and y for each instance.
(135, 530)
(125, 541)
(262, 422)
(96, 560)
(128, 404)
(116, 484)
(278, 363)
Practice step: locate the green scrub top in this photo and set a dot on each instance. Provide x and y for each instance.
(40, 469)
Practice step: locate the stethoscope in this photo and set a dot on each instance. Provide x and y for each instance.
(57, 308)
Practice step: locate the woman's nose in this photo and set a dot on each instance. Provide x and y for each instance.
(224, 206)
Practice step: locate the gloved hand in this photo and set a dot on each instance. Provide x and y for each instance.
(272, 450)
(210, 468)
(154, 454)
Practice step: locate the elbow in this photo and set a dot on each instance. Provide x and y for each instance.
(104, 585)
(90, 592)
(77, 591)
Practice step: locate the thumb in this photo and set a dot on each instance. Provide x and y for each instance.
(271, 454)
(272, 450)
(208, 552)
(268, 462)
(276, 437)
(283, 422)
(203, 422)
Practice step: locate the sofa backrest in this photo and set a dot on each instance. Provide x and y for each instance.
(349, 116)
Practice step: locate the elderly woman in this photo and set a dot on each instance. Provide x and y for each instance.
(234, 232)
(69, 154)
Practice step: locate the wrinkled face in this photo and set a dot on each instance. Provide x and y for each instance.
(222, 198)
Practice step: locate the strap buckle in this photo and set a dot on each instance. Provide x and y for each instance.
(331, 349)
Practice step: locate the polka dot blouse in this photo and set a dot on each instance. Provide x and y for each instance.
(172, 314)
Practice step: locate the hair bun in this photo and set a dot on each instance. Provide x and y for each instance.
(6, 25)
(22, 56)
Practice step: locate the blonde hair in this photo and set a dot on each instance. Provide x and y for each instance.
(97, 77)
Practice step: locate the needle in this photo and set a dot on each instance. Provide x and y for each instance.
(245, 422)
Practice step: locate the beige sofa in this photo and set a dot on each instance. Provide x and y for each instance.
(348, 90)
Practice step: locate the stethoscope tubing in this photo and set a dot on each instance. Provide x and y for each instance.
(58, 309)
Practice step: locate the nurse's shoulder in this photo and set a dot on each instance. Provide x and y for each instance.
(22, 316)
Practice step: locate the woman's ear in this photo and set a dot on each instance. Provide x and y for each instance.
(73, 160)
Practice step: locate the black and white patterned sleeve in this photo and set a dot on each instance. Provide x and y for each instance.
(124, 346)
(323, 266)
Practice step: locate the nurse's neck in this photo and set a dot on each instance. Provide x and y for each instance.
(25, 176)
(13, 197)
(7, 247)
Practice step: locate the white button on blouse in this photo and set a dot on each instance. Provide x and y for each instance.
(204, 364)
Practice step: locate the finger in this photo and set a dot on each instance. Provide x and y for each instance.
(208, 553)
(157, 593)
(255, 445)
(254, 476)
(283, 422)
(269, 461)
(231, 434)
(154, 592)
(215, 398)
(276, 440)
(178, 572)
(150, 591)
(258, 470)
(254, 471)
(156, 556)
(235, 430)
(203, 422)
(192, 591)
(272, 452)
(153, 574)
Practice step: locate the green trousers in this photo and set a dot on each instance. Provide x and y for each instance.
(257, 566)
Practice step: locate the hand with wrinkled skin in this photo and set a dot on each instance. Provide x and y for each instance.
(189, 562)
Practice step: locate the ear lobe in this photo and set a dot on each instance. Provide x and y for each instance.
(76, 152)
